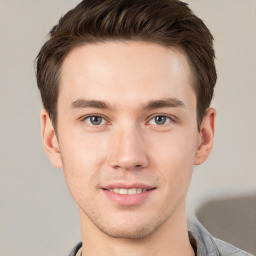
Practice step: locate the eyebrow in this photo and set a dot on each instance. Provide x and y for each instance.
(153, 104)
(83, 103)
(163, 103)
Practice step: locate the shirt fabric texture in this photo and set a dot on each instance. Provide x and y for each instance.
(203, 243)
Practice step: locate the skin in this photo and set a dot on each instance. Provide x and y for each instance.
(128, 144)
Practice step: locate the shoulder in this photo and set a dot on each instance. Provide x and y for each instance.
(207, 245)
(228, 249)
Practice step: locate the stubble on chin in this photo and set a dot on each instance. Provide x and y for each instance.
(125, 229)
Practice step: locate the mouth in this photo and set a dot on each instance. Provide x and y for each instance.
(130, 191)
(133, 194)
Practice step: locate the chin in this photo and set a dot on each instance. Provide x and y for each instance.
(130, 229)
(128, 232)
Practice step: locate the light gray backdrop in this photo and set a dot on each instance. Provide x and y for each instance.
(37, 215)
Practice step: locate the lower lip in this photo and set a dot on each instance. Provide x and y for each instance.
(128, 199)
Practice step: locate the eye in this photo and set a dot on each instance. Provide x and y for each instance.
(160, 120)
(95, 120)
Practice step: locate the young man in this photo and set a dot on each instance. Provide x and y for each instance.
(126, 87)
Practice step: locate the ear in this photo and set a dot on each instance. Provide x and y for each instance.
(207, 129)
(49, 138)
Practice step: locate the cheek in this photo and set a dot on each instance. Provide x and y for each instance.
(175, 148)
(173, 155)
(81, 151)
(82, 158)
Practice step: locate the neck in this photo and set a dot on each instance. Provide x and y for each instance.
(169, 239)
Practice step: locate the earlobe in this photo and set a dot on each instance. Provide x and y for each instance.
(207, 129)
(49, 139)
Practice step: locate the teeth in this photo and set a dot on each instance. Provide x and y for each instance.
(130, 191)
(123, 191)
(116, 190)
(139, 190)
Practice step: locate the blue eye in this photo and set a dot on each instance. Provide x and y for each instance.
(95, 120)
(160, 120)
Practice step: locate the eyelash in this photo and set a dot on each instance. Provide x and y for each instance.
(98, 116)
(162, 116)
(171, 119)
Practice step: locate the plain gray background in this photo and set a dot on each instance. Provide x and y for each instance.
(37, 215)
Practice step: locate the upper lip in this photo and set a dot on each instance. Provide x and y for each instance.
(128, 186)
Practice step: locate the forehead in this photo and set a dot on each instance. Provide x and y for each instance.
(128, 70)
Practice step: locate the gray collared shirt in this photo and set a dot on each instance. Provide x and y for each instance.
(203, 243)
(207, 245)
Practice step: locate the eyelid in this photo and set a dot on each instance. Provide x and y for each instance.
(83, 118)
(172, 118)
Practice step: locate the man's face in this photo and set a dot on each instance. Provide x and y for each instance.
(127, 134)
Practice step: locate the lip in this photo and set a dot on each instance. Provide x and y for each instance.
(128, 186)
(128, 200)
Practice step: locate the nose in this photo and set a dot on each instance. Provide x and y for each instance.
(127, 150)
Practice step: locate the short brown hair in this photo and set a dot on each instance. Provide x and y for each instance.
(167, 22)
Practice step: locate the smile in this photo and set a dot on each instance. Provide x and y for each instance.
(122, 194)
(130, 191)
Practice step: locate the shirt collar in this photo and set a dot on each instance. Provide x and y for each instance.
(202, 239)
